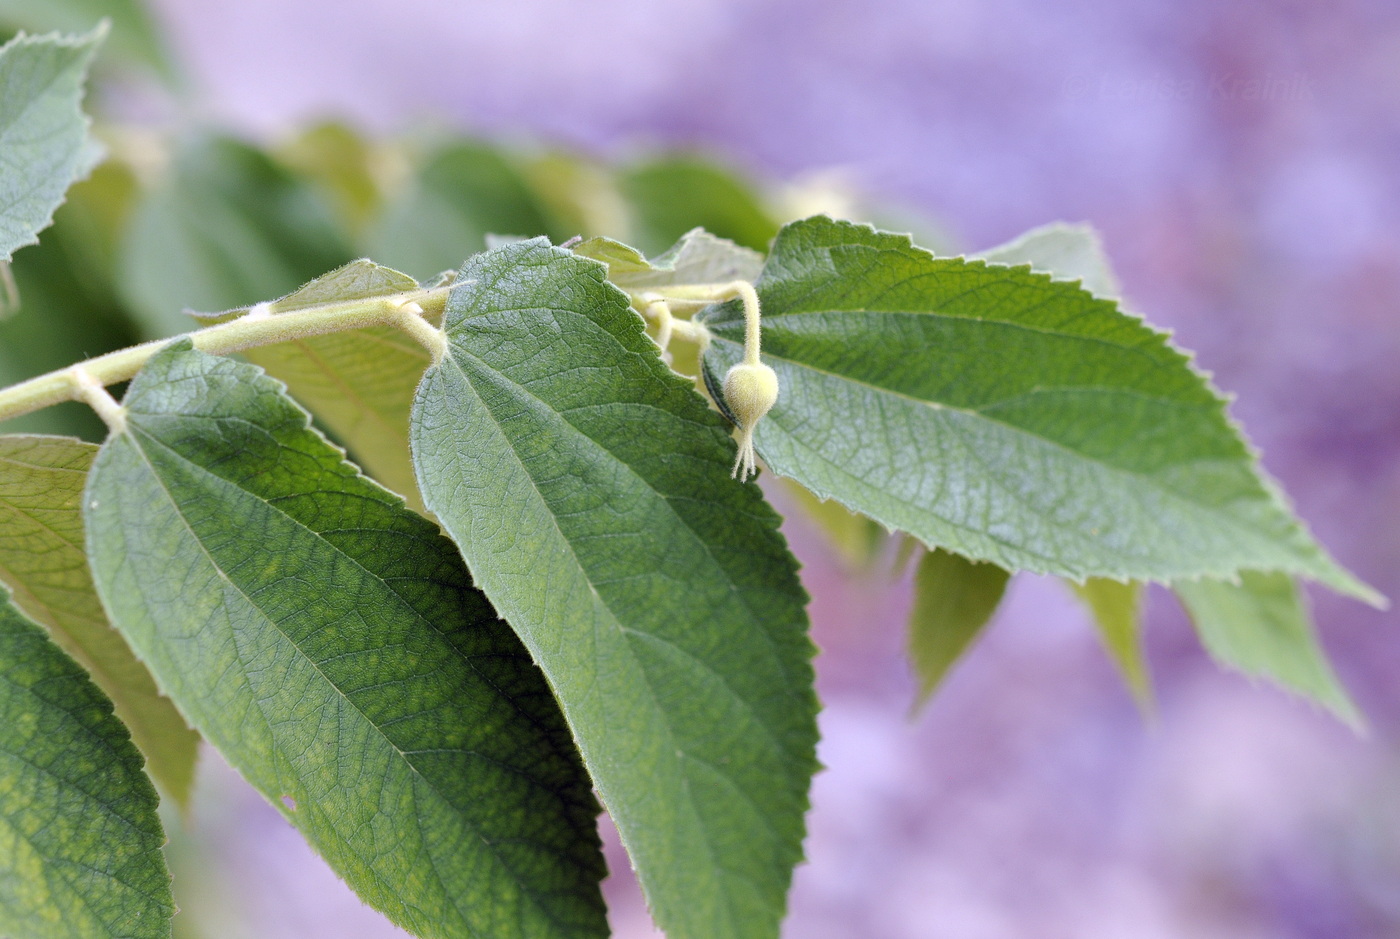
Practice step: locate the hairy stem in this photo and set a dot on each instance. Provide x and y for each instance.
(408, 311)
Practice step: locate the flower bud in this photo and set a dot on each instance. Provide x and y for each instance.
(750, 390)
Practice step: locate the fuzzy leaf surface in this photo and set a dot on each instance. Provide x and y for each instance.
(1261, 627)
(80, 841)
(43, 130)
(588, 488)
(1004, 415)
(954, 599)
(42, 560)
(330, 644)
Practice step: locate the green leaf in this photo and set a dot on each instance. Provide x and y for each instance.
(698, 258)
(68, 309)
(42, 560)
(43, 130)
(330, 644)
(134, 36)
(588, 488)
(1004, 416)
(228, 228)
(954, 599)
(360, 383)
(1262, 628)
(1117, 611)
(1063, 250)
(465, 192)
(79, 836)
(673, 195)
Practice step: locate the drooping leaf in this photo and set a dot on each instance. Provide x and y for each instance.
(42, 560)
(134, 36)
(954, 599)
(43, 130)
(330, 644)
(1063, 250)
(588, 488)
(79, 836)
(698, 258)
(227, 228)
(68, 308)
(464, 192)
(1117, 612)
(672, 195)
(1262, 628)
(360, 382)
(1004, 416)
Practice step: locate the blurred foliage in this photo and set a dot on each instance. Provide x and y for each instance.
(228, 227)
(68, 307)
(135, 39)
(671, 195)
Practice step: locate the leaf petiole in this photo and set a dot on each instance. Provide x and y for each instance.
(409, 311)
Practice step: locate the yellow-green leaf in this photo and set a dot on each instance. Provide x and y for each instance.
(42, 559)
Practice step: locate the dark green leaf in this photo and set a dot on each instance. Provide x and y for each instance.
(1261, 627)
(1005, 416)
(670, 196)
(228, 228)
(588, 487)
(954, 599)
(43, 130)
(330, 644)
(1117, 611)
(42, 560)
(79, 837)
(465, 192)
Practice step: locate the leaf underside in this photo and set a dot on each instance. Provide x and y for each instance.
(80, 841)
(360, 383)
(43, 131)
(330, 644)
(42, 560)
(697, 258)
(1004, 415)
(588, 488)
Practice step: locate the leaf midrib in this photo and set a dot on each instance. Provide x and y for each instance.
(1173, 494)
(514, 877)
(616, 621)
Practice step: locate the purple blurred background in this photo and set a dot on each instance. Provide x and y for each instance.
(1243, 162)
